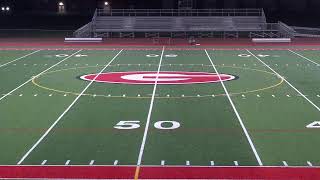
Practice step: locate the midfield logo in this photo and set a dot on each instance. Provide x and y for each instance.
(164, 77)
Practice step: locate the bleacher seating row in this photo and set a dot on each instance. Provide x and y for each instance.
(175, 24)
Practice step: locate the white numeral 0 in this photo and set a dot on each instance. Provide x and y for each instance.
(174, 125)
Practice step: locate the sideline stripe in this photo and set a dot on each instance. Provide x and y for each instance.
(303, 57)
(148, 118)
(68, 108)
(305, 97)
(38, 75)
(236, 112)
(19, 58)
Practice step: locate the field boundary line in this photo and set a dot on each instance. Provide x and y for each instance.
(4, 96)
(65, 111)
(314, 105)
(237, 114)
(1, 65)
(304, 57)
(148, 117)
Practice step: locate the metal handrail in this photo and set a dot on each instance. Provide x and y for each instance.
(180, 12)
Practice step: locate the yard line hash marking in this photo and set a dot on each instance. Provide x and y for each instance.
(162, 162)
(303, 57)
(149, 113)
(68, 108)
(67, 162)
(275, 72)
(285, 163)
(91, 162)
(38, 75)
(19, 58)
(212, 163)
(309, 163)
(236, 112)
(44, 162)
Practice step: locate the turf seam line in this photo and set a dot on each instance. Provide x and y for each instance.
(19, 58)
(305, 97)
(149, 116)
(38, 75)
(66, 110)
(236, 113)
(303, 57)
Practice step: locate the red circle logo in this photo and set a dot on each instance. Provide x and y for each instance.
(163, 77)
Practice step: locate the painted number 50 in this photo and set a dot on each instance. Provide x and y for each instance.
(159, 125)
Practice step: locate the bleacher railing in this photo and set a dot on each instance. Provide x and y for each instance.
(179, 12)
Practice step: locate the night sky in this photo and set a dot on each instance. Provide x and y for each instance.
(84, 6)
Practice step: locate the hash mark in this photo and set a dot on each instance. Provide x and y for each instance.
(94, 95)
(123, 95)
(273, 95)
(162, 162)
(91, 162)
(168, 95)
(212, 163)
(288, 95)
(236, 163)
(50, 95)
(21, 95)
(318, 95)
(188, 163)
(67, 162)
(65, 95)
(243, 95)
(309, 163)
(285, 163)
(35, 95)
(198, 95)
(44, 162)
(258, 95)
(109, 95)
(139, 95)
(212, 95)
(182, 95)
(115, 162)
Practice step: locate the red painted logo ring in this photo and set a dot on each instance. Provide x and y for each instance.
(164, 77)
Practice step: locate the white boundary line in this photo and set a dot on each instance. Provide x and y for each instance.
(237, 114)
(38, 75)
(1, 65)
(127, 165)
(305, 97)
(68, 108)
(149, 113)
(303, 57)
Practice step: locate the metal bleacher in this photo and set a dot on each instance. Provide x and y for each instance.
(174, 22)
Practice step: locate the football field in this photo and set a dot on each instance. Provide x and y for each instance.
(162, 106)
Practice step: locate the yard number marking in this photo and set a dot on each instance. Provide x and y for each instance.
(159, 125)
(315, 124)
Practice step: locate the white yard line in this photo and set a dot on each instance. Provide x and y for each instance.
(19, 58)
(37, 75)
(303, 57)
(305, 97)
(68, 108)
(149, 113)
(237, 114)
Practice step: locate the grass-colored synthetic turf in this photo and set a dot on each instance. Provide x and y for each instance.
(274, 114)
